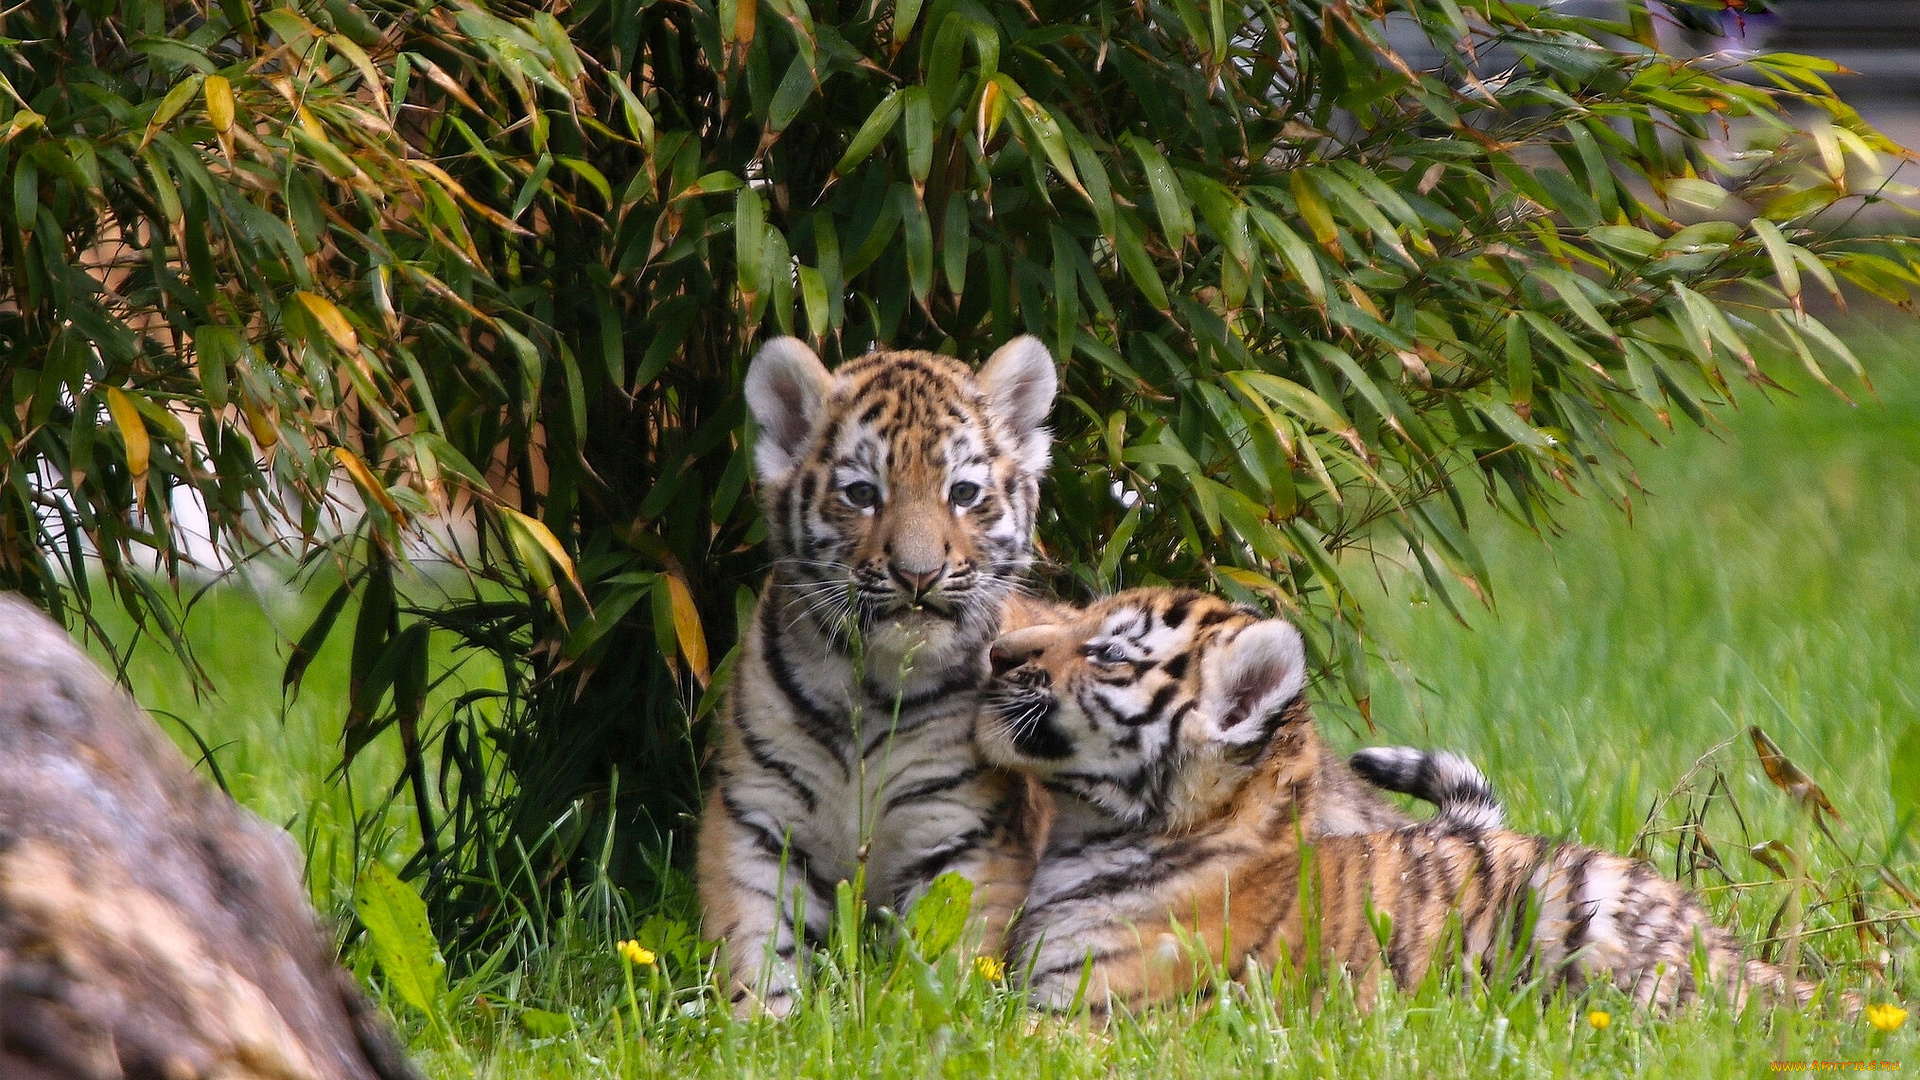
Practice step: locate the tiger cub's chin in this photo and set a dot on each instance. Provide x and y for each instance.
(1191, 786)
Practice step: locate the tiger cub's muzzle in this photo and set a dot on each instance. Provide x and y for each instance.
(1021, 724)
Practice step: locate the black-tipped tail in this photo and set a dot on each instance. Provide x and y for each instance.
(1454, 785)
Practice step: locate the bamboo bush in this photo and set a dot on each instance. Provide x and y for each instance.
(379, 283)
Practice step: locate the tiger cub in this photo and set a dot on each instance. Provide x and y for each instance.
(1173, 730)
(899, 493)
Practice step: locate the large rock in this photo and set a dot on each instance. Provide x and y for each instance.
(149, 927)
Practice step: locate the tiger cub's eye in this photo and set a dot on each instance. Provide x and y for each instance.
(861, 495)
(1111, 653)
(965, 493)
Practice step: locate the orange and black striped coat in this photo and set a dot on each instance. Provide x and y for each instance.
(1172, 729)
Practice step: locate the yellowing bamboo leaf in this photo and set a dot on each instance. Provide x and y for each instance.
(988, 114)
(549, 544)
(133, 432)
(446, 82)
(1313, 210)
(338, 330)
(219, 94)
(170, 107)
(402, 938)
(533, 557)
(265, 428)
(363, 477)
(746, 19)
(1858, 147)
(686, 627)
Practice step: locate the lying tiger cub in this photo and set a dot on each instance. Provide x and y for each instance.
(1173, 730)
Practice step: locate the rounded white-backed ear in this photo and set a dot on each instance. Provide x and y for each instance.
(1019, 381)
(1257, 673)
(785, 383)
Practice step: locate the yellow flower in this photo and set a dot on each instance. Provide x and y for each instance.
(1600, 1018)
(992, 969)
(1886, 1017)
(637, 955)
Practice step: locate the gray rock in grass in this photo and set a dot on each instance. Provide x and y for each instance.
(149, 927)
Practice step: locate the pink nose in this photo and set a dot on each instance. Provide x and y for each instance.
(918, 584)
(1004, 660)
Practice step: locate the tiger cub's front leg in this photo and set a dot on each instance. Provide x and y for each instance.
(762, 899)
(987, 827)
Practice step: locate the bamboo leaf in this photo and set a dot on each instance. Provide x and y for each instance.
(1313, 210)
(1045, 129)
(548, 544)
(1170, 200)
(368, 484)
(916, 132)
(133, 434)
(688, 633)
(872, 130)
(171, 105)
(219, 95)
(905, 14)
(749, 240)
(1784, 269)
(1139, 265)
(1573, 294)
(954, 237)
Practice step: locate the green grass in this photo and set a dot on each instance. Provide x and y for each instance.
(1770, 576)
(279, 754)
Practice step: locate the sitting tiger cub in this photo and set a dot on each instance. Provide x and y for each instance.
(1173, 730)
(899, 494)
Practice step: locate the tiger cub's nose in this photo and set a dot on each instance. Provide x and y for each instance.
(919, 583)
(1004, 658)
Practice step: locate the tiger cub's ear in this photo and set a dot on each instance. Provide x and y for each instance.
(784, 386)
(1016, 647)
(1019, 381)
(1252, 677)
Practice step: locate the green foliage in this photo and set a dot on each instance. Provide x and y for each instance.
(397, 932)
(939, 918)
(1903, 775)
(347, 269)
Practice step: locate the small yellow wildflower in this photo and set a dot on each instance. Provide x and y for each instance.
(636, 954)
(1886, 1017)
(991, 968)
(1600, 1018)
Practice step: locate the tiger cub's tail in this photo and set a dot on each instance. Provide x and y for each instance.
(1464, 798)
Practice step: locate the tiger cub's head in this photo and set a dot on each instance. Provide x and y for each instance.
(1155, 705)
(900, 489)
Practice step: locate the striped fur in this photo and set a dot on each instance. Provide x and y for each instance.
(1174, 732)
(1452, 783)
(900, 494)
